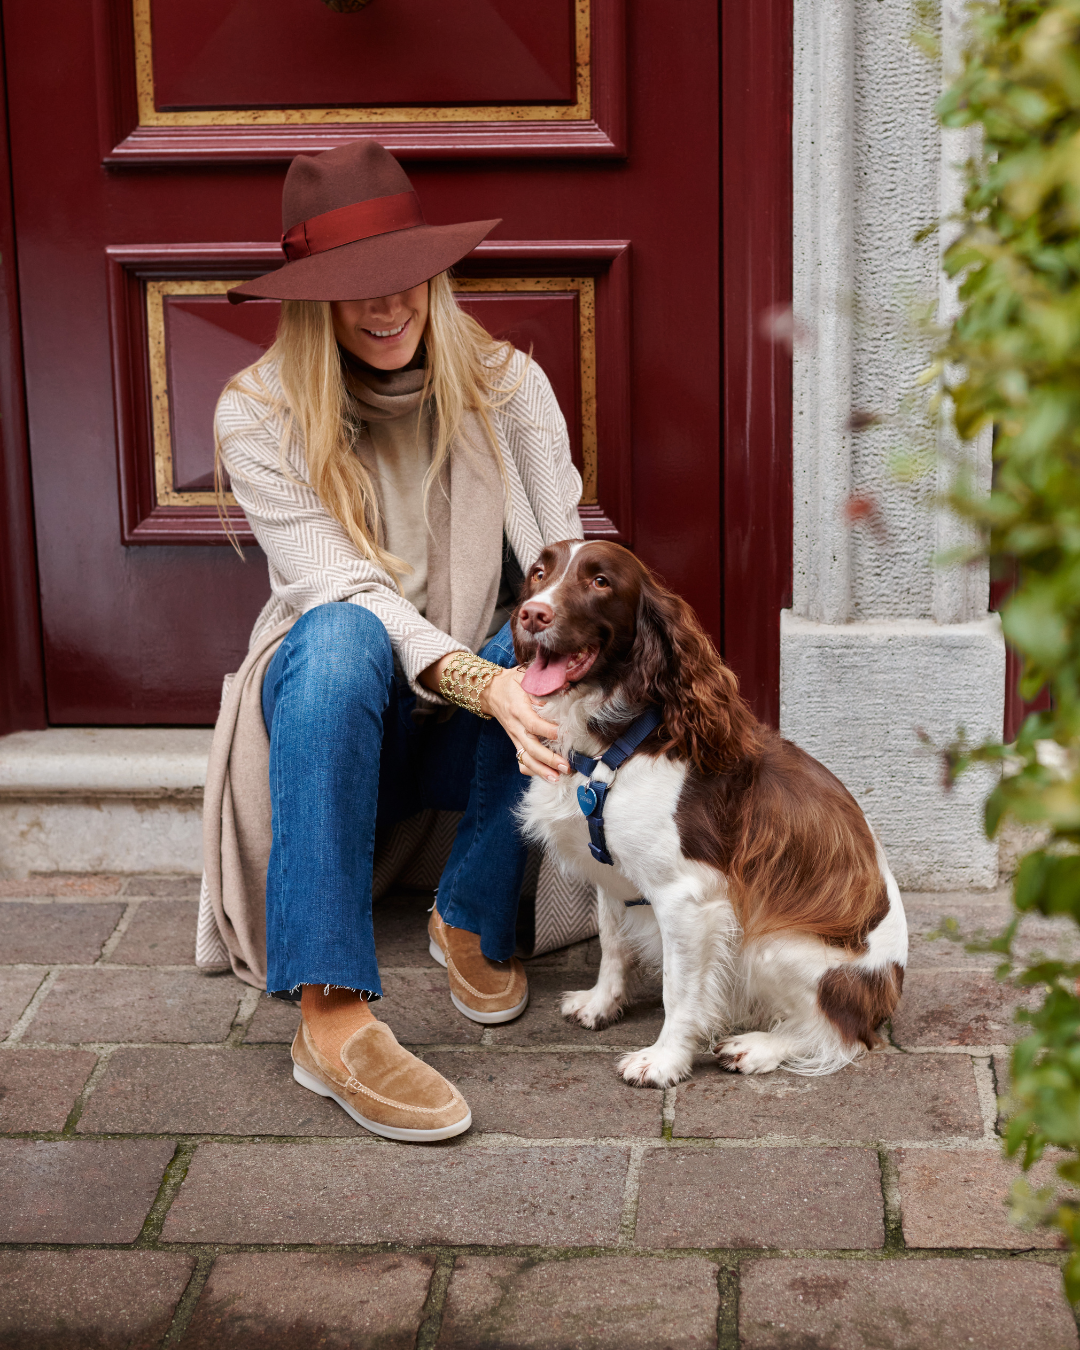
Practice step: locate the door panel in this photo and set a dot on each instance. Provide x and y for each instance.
(199, 80)
(253, 54)
(205, 340)
(144, 608)
(177, 341)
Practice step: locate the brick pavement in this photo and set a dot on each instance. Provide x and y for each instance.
(163, 1182)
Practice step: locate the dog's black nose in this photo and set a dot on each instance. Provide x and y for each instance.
(534, 616)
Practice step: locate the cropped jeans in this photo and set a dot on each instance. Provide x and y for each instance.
(347, 758)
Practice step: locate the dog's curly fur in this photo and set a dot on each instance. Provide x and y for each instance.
(749, 850)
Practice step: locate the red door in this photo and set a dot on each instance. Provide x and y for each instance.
(148, 142)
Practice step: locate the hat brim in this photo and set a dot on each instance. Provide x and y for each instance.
(384, 264)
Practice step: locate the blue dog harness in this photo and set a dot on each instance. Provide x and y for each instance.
(592, 795)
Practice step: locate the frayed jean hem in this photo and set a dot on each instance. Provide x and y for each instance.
(293, 995)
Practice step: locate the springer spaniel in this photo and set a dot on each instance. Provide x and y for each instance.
(740, 866)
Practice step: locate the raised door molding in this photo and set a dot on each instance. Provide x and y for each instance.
(589, 120)
(176, 341)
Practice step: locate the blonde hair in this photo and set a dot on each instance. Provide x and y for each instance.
(466, 372)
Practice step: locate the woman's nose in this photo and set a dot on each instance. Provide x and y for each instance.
(534, 616)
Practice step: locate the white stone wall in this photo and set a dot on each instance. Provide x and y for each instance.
(879, 640)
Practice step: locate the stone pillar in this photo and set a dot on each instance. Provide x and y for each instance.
(881, 647)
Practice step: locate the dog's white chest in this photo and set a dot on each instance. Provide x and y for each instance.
(638, 823)
(552, 815)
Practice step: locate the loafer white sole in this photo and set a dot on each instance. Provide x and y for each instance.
(486, 1019)
(313, 1084)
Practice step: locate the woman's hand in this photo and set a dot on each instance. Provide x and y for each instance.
(506, 701)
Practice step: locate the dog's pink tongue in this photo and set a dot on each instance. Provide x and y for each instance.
(545, 674)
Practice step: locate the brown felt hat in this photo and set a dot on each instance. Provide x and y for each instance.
(354, 230)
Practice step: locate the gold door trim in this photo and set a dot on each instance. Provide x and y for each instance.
(160, 416)
(151, 116)
(586, 293)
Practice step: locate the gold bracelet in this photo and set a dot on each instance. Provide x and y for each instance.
(465, 679)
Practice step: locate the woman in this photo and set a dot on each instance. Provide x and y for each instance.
(383, 450)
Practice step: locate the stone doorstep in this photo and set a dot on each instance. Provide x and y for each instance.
(128, 799)
(104, 761)
(102, 799)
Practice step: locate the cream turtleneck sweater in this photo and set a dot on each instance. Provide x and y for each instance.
(397, 426)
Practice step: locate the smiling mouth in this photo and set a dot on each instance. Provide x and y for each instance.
(387, 334)
(549, 673)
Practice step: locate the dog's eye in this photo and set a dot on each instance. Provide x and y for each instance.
(601, 583)
(538, 574)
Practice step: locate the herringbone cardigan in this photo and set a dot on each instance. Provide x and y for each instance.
(311, 562)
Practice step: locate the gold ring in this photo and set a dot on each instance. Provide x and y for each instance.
(520, 755)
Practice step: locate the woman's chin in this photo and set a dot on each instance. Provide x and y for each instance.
(396, 357)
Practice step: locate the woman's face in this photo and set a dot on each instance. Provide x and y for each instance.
(385, 332)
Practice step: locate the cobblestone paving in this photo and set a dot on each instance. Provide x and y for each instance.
(163, 1182)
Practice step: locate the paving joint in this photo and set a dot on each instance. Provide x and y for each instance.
(243, 1017)
(30, 1011)
(115, 899)
(493, 1139)
(890, 1196)
(727, 1313)
(171, 1181)
(985, 1085)
(668, 1114)
(189, 1299)
(541, 1253)
(114, 939)
(431, 1315)
(459, 1047)
(890, 1038)
(632, 1194)
(96, 1074)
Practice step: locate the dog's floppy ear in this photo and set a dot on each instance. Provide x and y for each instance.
(674, 665)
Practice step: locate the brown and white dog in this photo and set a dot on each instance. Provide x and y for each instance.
(772, 911)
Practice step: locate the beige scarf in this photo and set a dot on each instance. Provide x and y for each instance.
(464, 553)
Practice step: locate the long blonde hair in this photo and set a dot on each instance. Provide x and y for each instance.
(466, 371)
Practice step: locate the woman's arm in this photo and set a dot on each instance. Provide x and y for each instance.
(505, 700)
(312, 559)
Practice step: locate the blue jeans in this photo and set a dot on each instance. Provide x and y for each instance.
(347, 758)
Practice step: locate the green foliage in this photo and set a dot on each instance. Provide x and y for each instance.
(1016, 345)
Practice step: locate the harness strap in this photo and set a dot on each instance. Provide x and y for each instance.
(597, 841)
(624, 747)
(593, 796)
(582, 763)
(632, 737)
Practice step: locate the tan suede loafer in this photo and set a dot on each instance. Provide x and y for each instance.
(485, 991)
(382, 1086)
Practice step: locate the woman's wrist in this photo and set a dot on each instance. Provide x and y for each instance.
(464, 680)
(430, 676)
(490, 693)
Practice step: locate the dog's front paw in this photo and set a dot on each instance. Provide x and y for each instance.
(588, 1008)
(654, 1067)
(755, 1052)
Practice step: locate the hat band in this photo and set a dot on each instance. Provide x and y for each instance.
(348, 224)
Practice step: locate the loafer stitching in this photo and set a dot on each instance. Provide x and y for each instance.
(452, 967)
(467, 986)
(355, 1085)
